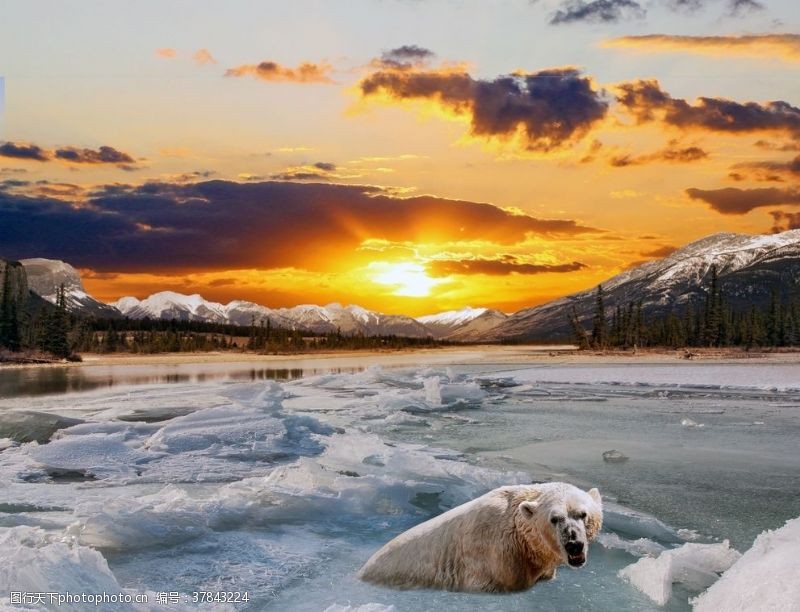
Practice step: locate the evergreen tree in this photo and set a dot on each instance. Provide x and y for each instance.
(599, 339)
(111, 341)
(55, 328)
(578, 332)
(713, 311)
(9, 317)
(774, 323)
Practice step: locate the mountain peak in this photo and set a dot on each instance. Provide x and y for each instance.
(467, 323)
(47, 276)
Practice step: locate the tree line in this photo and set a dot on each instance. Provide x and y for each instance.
(710, 322)
(174, 336)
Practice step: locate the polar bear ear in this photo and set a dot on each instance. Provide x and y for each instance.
(595, 495)
(528, 508)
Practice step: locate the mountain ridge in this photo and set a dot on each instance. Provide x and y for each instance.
(746, 265)
(749, 267)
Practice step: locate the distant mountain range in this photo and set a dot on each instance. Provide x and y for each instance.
(308, 317)
(750, 268)
(46, 275)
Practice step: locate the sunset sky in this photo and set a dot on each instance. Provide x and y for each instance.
(409, 156)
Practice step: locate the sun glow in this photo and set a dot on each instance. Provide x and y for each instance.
(406, 278)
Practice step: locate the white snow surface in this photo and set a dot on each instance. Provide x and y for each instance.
(764, 579)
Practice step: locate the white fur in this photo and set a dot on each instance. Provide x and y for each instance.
(502, 541)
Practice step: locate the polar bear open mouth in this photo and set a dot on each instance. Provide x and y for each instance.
(576, 560)
(576, 553)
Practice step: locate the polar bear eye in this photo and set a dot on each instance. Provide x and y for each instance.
(582, 516)
(555, 520)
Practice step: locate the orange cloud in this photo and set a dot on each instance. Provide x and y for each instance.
(166, 53)
(734, 201)
(673, 153)
(502, 266)
(782, 46)
(767, 171)
(307, 72)
(203, 56)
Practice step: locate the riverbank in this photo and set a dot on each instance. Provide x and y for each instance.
(498, 354)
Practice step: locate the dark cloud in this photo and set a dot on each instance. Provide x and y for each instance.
(685, 5)
(597, 11)
(306, 72)
(777, 146)
(783, 221)
(319, 171)
(325, 166)
(734, 201)
(299, 175)
(23, 151)
(73, 155)
(662, 251)
(498, 267)
(103, 155)
(551, 108)
(13, 184)
(407, 56)
(767, 171)
(222, 282)
(218, 225)
(613, 11)
(739, 8)
(673, 153)
(646, 101)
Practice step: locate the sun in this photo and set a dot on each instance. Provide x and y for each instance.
(406, 278)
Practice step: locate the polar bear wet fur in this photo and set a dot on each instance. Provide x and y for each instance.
(506, 540)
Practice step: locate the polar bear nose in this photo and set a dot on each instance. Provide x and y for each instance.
(573, 548)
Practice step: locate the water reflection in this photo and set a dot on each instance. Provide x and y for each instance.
(16, 382)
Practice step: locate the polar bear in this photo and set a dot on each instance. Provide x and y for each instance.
(506, 540)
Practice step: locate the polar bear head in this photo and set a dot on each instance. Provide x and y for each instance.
(558, 520)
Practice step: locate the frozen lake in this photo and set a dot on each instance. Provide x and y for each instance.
(281, 486)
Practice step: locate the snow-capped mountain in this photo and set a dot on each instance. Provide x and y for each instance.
(351, 320)
(463, 325)
(172, 305)
(307, 317)
(45, 276)
(749, 269)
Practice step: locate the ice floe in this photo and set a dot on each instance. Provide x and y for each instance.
(764, 578)
(695, 566)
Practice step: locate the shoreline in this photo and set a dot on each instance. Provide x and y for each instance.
(499, 354)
